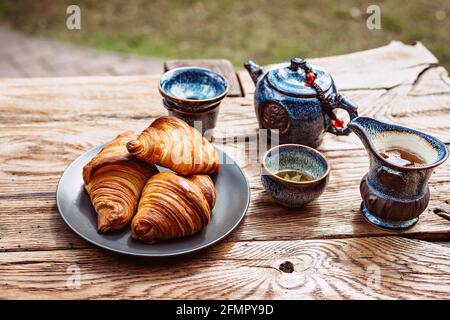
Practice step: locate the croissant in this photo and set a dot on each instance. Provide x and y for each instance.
(172, 143)
(114, 180)
(172, 206)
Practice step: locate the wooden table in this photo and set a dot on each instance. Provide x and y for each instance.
(326, 250)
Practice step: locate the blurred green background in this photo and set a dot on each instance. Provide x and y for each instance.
(264, 30)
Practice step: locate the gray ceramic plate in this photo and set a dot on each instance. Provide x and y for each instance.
(233, 197)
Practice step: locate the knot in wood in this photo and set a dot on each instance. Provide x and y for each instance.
(286, 267)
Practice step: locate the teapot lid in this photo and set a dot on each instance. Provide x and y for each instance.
(293, 80)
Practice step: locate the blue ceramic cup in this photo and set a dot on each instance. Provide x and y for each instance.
(299, 158)
(194, 95)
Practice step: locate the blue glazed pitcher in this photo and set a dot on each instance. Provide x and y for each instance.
(395, 190)
(299, 101)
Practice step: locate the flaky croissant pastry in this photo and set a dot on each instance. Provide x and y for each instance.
(172, 206)
(172, 143)
(114, 180)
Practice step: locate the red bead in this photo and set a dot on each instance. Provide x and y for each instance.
(310, 78)
(338, 123)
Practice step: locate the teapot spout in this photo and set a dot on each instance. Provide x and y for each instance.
(254, 70)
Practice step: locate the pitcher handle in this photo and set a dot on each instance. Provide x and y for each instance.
(339, 101)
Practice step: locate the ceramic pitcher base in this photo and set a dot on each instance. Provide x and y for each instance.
(386, 224)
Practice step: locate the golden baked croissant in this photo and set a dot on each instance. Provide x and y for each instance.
(172, 206)
(172, 143)
(114, 180)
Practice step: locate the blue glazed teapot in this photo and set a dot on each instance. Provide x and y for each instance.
(299, 101)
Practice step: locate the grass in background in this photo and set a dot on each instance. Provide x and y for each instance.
(264, 30)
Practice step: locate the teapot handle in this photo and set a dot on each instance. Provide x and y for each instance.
(340, 101)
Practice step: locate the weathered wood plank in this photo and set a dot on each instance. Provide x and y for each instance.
(384, 67)
(334, 215)
(132, 102)
(46, 123)
(338, 269)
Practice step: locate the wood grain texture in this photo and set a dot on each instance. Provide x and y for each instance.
(46, 123)
(384, 67)
(338, 269)
(334, 215)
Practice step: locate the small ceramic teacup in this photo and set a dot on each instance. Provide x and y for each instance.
(203, 121)
(294, 174)
(194, 95)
